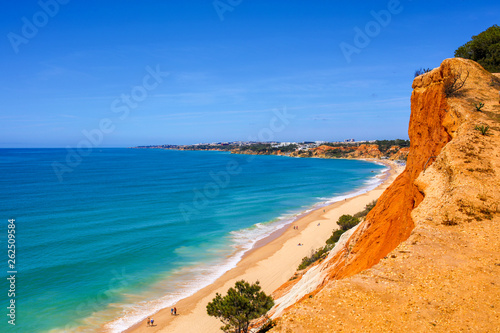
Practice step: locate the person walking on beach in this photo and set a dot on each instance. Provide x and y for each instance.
(152, 321)
(171, 311)
(175, 311)
(148, 322)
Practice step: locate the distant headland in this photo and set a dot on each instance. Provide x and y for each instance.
(383, 149)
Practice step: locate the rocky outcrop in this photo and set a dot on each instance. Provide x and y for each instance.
(400, 154)
(366, 151)
(324, 151)
(390, 223)
(358, 152)
(451, 179)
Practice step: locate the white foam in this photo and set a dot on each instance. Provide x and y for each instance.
(200, 277)
(369, 185)
(242, 241)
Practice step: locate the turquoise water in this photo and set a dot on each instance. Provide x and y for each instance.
(129, 231)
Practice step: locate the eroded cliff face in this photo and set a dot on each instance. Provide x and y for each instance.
(368, 151)
(458, 188)
(401, 154)
(323, 150)
(390, 223)
(359, 152)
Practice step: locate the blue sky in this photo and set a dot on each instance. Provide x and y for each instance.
(225, 76)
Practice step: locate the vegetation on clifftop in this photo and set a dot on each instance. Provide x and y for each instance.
(484, 49)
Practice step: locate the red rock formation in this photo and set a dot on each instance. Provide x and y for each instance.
(393, 149)
(366, 151)
(400, 154)
(362, 151)
(323, 149)
(441, 256)
(390, 223)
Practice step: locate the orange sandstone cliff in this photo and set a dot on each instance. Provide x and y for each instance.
(355, 151)
(389, 223)
(366, 151)
(426, 257)
(401, 154)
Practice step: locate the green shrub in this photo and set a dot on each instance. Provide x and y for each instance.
(367, 209)
(478, 106)
(346, 222)
(484, 49)
(315, 255)
(421, 71)
(334, 238)
(483, 129)
(385, 145)
(242, 304)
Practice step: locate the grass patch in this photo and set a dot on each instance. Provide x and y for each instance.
(482, 129)
(367, 209)
(334, 238)
(320, 253)
(478, 106)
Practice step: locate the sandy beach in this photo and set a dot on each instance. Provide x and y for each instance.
(272, 262)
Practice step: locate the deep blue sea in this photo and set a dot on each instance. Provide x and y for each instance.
(125, 232)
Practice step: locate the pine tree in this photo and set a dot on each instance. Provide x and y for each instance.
(242, 304)
(483, 48)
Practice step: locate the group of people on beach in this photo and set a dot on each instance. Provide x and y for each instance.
(295, 227)
(151, 321)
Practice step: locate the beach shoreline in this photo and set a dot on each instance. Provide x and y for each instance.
(272, 260)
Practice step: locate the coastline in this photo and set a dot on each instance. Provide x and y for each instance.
(272, 260)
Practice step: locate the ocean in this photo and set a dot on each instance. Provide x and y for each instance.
(122, 233)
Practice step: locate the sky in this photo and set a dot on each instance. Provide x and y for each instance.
(126, 73)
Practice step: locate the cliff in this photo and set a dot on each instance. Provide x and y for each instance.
(426, 257)
(325, 151)
(371, 151)
(400, 154)
(378, 149)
